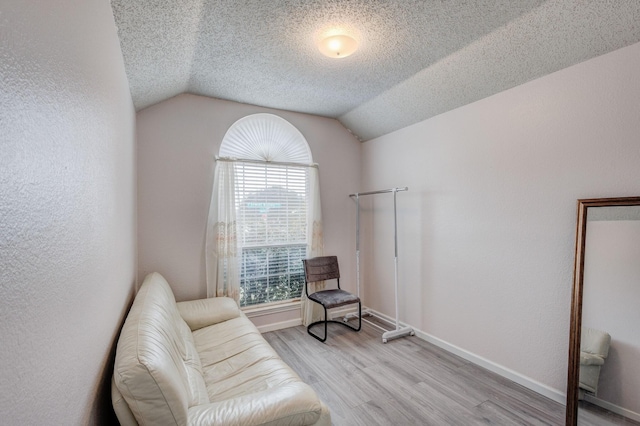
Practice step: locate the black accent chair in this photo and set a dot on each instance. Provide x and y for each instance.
(323, 269)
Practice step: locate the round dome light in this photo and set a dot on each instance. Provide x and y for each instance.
(338, 46)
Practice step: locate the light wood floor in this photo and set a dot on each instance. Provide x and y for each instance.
(592, 415)
(405, 381)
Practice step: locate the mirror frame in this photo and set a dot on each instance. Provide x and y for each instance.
(576, 297)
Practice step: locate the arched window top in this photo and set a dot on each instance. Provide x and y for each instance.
(265, 137)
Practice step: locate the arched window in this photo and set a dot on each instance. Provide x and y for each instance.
(264, 207)
(266, 138)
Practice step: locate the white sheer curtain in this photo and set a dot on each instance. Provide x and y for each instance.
(222, 256)
(311, 311)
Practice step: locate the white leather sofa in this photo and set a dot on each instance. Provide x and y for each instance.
(594, 349)
(203, 362)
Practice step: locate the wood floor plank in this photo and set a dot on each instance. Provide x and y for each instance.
(417, 413)
(421, 405)
(406, 381)
(529, 405)
(289, 334)
(494, 414)
(350, 387)
(592, 415)
(295, 361)
(383, 414)
(340, 409)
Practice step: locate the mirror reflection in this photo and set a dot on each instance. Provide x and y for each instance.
(609, 371)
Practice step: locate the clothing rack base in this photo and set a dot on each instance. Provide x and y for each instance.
(387, 334)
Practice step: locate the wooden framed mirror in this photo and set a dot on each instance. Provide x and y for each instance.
(604, 340)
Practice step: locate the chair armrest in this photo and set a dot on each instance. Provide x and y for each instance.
(293, 403)
(587, 358)
(203, 312)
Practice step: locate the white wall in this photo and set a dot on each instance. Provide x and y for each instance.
(487, 228)
(67, 210)
(177, 142)
(611, 297)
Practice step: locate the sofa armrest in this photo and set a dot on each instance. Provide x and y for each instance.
(203, 312)
(293, 403)
(590, 359)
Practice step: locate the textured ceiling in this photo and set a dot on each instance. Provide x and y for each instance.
(416, 59)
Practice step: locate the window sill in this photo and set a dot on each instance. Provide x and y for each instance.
(271, 308)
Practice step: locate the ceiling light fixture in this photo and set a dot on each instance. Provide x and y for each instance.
(338, 46)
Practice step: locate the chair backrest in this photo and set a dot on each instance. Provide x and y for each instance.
(321, 269)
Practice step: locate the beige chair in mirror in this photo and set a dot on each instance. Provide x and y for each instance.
(594, 349)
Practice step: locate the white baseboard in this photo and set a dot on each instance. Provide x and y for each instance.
(505, 372)
(293, 322)
(279, 325)
(340, 312)
(613, 407)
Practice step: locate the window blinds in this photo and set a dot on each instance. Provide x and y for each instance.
(271, 214)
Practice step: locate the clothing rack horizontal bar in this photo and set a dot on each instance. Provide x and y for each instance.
(275, 163)
(382, 191)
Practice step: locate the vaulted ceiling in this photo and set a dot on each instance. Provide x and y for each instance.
(416, 59)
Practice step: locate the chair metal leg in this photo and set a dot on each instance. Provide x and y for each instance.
(319, 322)
(326, 321)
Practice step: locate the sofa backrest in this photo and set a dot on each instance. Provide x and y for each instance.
(595, 342)
(157, 369)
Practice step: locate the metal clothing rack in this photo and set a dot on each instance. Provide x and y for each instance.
(399, 331)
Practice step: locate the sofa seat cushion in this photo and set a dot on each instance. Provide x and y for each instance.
(237, 361)
(292, 404)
